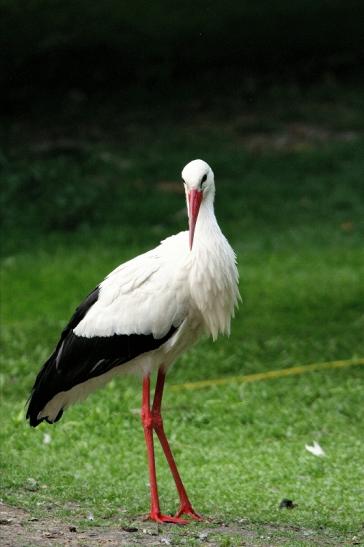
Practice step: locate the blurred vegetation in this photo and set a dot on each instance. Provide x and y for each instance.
(87, 165)
(87, 43)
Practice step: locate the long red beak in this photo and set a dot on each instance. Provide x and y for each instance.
(194, 202)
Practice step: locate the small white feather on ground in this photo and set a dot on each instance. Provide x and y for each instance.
(315, 449)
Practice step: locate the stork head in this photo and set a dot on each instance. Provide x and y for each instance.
(198, 179)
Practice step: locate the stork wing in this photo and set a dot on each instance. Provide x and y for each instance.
(147, 295)
(136, 309)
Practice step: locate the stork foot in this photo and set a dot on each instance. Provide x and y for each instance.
(161, 519)
(189, 511)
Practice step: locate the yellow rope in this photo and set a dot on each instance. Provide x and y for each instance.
(268, 375)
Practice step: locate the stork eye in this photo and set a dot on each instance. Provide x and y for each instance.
(203, 178)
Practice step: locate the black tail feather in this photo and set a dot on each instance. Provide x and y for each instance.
(39, 396)
(46, 383)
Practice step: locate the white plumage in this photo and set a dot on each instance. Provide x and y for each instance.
(193, 289)
(172, 284)
(143, 296)
(182, 289)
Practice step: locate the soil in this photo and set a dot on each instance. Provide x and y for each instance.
(19, 529)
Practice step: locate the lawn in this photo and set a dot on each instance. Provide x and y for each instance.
(81, 197)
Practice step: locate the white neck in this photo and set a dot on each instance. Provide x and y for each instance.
(207, 228)
(214, 276)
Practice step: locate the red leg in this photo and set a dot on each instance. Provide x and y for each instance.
(147, 420)
(185, 504)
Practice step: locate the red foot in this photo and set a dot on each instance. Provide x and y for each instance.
(158, 517)
(187, 510)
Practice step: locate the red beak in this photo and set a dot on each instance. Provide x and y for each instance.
(194, 202)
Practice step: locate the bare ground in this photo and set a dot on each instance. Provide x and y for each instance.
(19, 529)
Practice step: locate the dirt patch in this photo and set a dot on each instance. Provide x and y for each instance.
(19, 529)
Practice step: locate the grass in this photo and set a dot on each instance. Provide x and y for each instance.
(293, 209)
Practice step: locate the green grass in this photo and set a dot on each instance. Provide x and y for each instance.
(295, 216)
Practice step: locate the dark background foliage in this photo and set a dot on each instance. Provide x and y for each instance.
(93, 44)
(85, 74)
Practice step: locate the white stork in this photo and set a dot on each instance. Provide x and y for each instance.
(141, 317)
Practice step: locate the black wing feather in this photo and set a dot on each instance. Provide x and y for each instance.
(77, 359)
